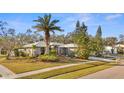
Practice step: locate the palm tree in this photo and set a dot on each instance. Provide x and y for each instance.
(47, 25)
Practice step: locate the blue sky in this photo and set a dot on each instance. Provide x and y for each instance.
(112, 24)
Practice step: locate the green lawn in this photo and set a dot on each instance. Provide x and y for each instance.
(71, 69)
(20, 66)
(83, 72)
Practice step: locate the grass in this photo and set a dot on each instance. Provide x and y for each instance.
(0, 75)
(1, 56)
(83, 72)
(72, 69)
(20, 66)
(24, 65)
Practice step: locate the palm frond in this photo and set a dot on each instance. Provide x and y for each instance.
(54, 22)
(45, 24)
(56, 28)
(49, 19)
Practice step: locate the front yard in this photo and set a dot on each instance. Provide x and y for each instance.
(71, 72)
(27, 65)
(21, 66)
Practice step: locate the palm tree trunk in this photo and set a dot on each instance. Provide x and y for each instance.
(47, 41)
(47, 50)
(8, 54)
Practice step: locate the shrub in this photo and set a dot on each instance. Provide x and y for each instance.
(16, 52)
(22, 54)
(72, 54)
(53, 52)
(83, 53)
(48, 58)
(33, 46)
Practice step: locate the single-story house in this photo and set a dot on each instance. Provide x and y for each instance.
(113, 50)
(110, 50)
(62, 49)
(67, 49)
(39, 48)
(119, 45)
(120, 48)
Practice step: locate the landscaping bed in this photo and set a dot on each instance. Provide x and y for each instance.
(56, 72)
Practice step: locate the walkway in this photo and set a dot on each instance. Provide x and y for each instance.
(5, 72)
(116, 72)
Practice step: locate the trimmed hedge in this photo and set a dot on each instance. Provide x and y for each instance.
(49, 58)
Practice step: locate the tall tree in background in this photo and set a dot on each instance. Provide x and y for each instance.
(121, 39)
(110, 41)
(81, 38)
(8, 38)
(99, 42)
(58, 38)
(47, 25)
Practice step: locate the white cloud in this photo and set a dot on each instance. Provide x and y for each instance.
(85, 17)
(18, 24)
(81, 17)
(71, 20)
(113, 16)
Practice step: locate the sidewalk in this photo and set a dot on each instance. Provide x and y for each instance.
(5, 72)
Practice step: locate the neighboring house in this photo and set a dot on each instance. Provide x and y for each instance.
(119, 45)
(110, 50)
(120, 48)
(113, 50)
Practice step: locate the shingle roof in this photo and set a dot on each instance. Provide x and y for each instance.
(119, 45)
(41, 44)
(68, 45)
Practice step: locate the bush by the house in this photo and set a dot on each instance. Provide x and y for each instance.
(49, 58)
(53, 52)
(16, 52)
(83, 53)
(21, 53)
(72, 54)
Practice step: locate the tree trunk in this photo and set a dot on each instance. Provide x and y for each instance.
(8, 54)
(47, 41)
(47, 50)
